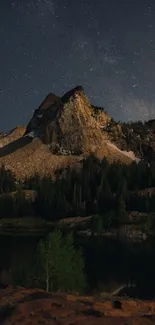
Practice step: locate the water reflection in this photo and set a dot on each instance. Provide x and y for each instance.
(109, 263)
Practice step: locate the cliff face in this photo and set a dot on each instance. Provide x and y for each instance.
(63, 130)
(70, 125)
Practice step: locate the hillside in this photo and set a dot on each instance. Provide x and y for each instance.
(64, 130)
(13, 135)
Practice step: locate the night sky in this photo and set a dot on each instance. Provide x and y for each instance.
(107, 46)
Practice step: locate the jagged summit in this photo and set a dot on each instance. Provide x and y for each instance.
(77, 90)
(69, 124)
(48, 101)
(51, 98)
(64, 130)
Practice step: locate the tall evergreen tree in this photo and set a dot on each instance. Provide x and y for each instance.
(121, 210)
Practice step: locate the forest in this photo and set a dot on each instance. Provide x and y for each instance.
(110, 191)
(107, 192)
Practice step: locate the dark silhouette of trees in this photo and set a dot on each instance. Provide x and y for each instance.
(97, 188)
(7, 180)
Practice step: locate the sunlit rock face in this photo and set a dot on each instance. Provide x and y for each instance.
(64, 130)
(70, 124)
(13, 135)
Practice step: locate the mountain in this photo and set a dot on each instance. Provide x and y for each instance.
(8, 137)
(64, 130)
(140, 138)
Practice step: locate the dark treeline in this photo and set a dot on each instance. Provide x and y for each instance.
(97, 188)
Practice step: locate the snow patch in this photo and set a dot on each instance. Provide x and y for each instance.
(129, 154)
(30, 134)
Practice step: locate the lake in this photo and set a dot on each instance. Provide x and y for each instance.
(109, 262)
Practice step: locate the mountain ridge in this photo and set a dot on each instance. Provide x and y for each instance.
(64, 130)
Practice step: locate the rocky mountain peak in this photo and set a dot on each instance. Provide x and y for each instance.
(69, 124)
(77, 91)
(64, 130)
(49, 101)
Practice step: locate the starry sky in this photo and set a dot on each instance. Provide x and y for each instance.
(107, 46)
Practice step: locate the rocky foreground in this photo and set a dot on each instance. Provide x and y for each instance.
(22, 306)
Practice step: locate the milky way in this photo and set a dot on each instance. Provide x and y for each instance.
(106, 46)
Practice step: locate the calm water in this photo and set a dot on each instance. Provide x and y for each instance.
(108, 262)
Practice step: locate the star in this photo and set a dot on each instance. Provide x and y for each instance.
(54, 44)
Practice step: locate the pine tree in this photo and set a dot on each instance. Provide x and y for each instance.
(121, 210)
(97, 224)
(7, 180)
